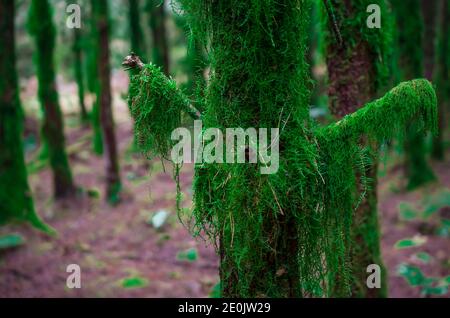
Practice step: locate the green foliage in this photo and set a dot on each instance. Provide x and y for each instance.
(285, 234)
(134, 282)
(190, 255)
(407, 243)
(11, 241)
(428, 285)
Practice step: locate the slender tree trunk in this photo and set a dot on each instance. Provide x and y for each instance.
(194, 63)
(136, 34)
(93, 82)
(410, 31)
(160, 49)
(113, 184)
(78, 65)
(16, 202)
(53, 126)
(429, 12)
(353, 78)
(442, 78)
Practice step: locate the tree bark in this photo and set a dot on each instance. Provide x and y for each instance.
(16, 202)
(410, 29)
(53, 126)
(78, 65)
(442, 77)
(136, 34)
(352, 82)
(113, 184)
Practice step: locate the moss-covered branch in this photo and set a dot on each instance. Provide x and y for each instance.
(413, 100)
(156, 104)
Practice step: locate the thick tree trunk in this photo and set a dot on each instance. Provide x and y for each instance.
(113, 184)
(353, 75)
(160, 49)
(53, 127)
(78, 64)
(16, 201)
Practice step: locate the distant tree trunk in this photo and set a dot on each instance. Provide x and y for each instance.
(160, 49)
(78, 64)
(442, 77)
(354, 76)
(136, 34)
(92, 83)
(194, 63)
(429, 12)
(42, 29)
(113, 184)
(410, 38)
(16, 202)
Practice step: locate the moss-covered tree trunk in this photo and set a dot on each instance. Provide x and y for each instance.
(136, 34)
(410, 31)
(355, 69)
(16, 202)
(284, 234)
(160, 48)
(40, 23)
(441, 76)
(78, 68)
(101, 16)
(92, 81)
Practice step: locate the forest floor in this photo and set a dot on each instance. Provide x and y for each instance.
(122, 255)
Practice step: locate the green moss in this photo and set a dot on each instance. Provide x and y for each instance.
(16, 202)
(285, 234)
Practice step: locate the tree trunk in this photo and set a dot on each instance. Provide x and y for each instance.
(442, 77)
(113, 184)
(16, 202)
(410, 31)
(92, 82)
(285, 233)
(353, 78)
(160, 50)
(136, 34)
(53, 126)
(78, 64)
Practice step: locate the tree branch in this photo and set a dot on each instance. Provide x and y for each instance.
(413, 100)
(132, 63)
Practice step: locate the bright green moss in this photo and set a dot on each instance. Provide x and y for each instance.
(285, 234)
